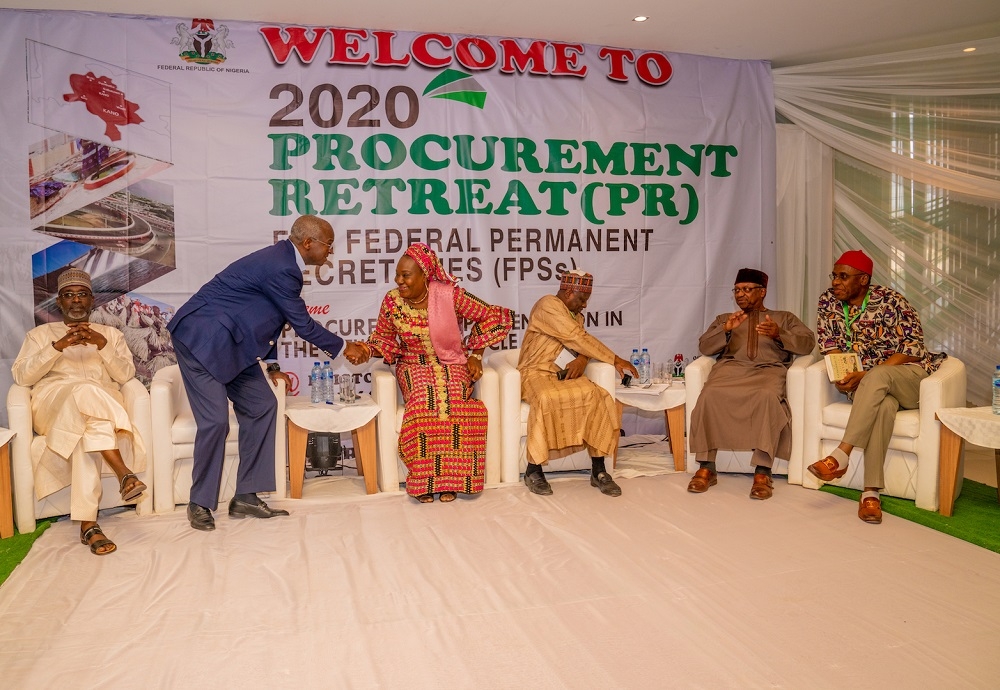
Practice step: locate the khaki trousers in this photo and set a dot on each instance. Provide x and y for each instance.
(881, 393)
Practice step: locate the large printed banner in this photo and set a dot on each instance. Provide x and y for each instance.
(154, 151)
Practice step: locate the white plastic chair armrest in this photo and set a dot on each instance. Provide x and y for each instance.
(137, 405)
(795, 393)
(946, 387)
(488, 390)
(163, 411)
(22, 474)
(603, 374)
(385, 393)
(695, 375)
(504, 363)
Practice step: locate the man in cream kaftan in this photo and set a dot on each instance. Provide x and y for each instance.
(75, 370)
(572, 411)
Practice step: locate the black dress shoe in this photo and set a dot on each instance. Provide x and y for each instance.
(257, 509)
(606, 484)
(538, 484)
(200, 518)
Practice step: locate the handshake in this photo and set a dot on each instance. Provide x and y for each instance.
(357, 352)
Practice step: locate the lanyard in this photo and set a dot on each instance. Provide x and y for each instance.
(848, 321)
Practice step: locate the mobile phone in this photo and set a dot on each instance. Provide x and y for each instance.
(627, 380)
(561, 374)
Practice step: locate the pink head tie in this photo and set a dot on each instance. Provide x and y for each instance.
(429, 263)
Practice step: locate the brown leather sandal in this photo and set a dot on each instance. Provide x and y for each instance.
(426, 498)
(446, 496)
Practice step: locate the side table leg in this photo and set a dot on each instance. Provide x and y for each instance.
(364, 444)
(6, 508)
(621, 409)
(675, 428)
(951, 451)
(996, 454)
(297, 439)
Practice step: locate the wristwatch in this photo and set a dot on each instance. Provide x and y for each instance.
(273, 367)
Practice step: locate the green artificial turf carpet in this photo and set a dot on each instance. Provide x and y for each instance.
(976, 518)
(14, 549)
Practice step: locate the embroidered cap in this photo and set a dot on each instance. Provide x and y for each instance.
(856, 259)
(751, 275)
(576, 280)
(74, 276)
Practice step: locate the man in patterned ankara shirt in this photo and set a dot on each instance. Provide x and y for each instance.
(881, 326)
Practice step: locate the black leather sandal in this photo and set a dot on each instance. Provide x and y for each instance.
(136, 489)
(95, 548)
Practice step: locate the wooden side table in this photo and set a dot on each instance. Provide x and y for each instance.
(6, 505)
(359, 417)
(671, 401)
(960, 424)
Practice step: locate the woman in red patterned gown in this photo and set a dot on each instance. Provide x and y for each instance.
(420, 329)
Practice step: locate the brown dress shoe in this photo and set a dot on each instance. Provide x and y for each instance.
(762, 488)
(702, 479)
(870, 510)
(828, 469)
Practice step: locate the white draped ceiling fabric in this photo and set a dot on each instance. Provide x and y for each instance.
(899, 155)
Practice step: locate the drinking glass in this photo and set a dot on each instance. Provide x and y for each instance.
(347, 393)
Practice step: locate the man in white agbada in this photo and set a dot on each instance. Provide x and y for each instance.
(76, 369)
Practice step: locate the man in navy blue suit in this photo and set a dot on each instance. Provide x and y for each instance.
(220, 336)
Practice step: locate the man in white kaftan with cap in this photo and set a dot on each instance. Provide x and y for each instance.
(75, 370)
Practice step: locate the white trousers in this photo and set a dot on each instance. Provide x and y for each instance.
(87, 464)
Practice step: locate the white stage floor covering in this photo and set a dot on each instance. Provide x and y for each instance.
(657, 589)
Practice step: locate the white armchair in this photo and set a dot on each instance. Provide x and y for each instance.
(912, 462)
(27, 508)
(173, 443)
(695, 376)
(514, 414)
(386, 394)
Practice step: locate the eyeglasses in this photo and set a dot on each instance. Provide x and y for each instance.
(328, 245)
(844, 277)
(745, 290)
(73, 295)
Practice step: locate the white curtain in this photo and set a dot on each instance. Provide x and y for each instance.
(915, 141)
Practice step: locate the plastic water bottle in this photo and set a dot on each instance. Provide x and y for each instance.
(996, 390)
(636, 360)
(316, 384)
(328, 387)
(646, 364)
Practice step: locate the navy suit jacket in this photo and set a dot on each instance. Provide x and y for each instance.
(235, 319)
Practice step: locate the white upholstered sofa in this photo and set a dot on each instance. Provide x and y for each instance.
(912, 462)
(386, 394)
(514, 415)
(26, 507)
(173, 443)
(726, 460)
